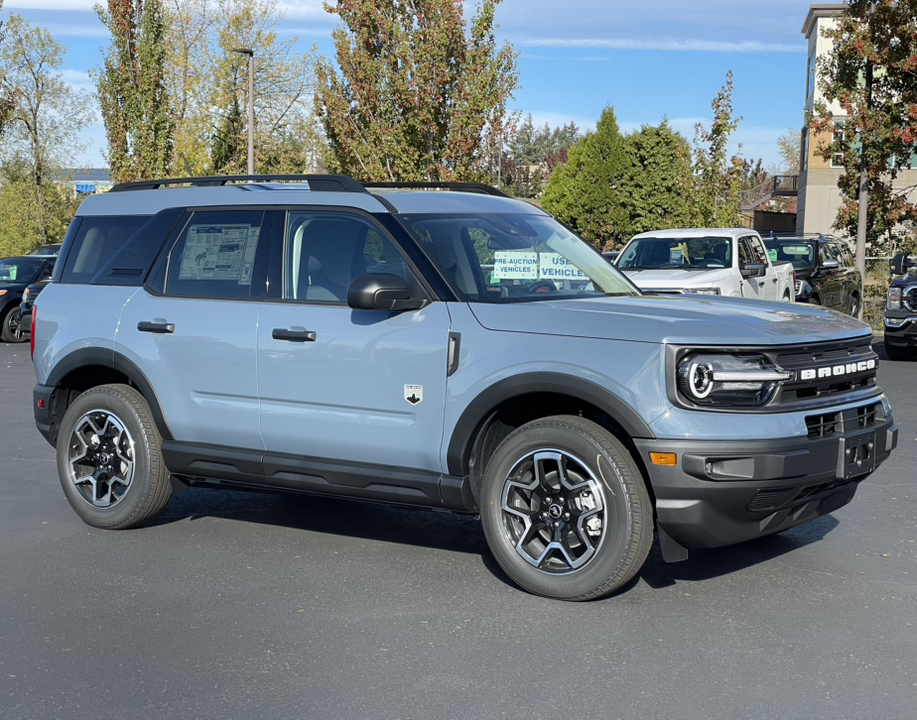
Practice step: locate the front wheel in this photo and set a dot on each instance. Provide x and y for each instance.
(566, 512)
(11, 330)
(109, 459)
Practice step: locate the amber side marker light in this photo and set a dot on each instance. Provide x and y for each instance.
(670, 459)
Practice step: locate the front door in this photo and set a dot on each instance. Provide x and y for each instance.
(358, 386)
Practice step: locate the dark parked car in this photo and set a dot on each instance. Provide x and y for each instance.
(826, 272)
(28, 302)
(16, 274)
(901, 309)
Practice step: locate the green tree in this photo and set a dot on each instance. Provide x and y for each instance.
(719, 177)
(417, 98)
(532, 154)
(41, 138)
(132, 92)
(208, 83)
(587, 192)
(659, 179)
(870, 73)
(7, 98)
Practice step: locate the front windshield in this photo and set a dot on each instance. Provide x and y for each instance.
(801, 253)
(21, 270)
(682, 253)
(503, 257)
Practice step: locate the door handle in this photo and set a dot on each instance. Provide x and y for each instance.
(774, 280)
(293, 335)
(155, 327)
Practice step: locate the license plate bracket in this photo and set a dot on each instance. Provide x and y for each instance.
(856, 455)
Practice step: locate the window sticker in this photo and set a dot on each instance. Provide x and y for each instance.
(554, 266)
(512, 265)
(220, 252)
(772, 254)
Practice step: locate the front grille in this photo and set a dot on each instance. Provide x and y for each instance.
(793, 500)
(825, 373)
(838, 423)
(909, 298)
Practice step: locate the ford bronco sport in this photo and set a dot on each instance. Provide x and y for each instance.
(323, 336)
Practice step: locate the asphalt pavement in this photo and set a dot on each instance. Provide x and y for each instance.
(237, 605)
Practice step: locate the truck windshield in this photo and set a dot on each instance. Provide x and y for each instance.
(509, 257)
(800, 252)
(682, 253)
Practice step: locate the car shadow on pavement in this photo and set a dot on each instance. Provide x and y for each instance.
(459, 533)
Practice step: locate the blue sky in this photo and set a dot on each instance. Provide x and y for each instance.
(649, 60)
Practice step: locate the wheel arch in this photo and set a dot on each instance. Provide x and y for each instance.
(87, 368)
(513, 401)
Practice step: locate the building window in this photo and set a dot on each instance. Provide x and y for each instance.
(837, 158)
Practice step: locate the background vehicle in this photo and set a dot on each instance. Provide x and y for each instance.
(28, 302)
(321, 338)
(901, 309)
(706, 261)
(826, 272)
(16, 274)
(611, 255)
(52, 249)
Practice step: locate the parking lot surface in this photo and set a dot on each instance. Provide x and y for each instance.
(236, 605)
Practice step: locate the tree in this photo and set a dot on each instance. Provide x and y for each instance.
(416, 98)
(659, 179)
(132, 92)
(41, 138)
(789, 149)
(719, 177)
(587, 192)
(208, 83)
(7, 97)
(532, 154)
(869, 72)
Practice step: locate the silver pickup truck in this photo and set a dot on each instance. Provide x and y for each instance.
(707, 261)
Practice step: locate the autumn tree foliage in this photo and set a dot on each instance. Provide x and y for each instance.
(7, 98)
(871, 72)
(419, 97)
(132, 93)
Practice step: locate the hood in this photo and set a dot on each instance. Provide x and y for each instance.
(696, 320)
(675, 278)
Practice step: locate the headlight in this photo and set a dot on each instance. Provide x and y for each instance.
(894, 299)
(703, 291)
(728, 380)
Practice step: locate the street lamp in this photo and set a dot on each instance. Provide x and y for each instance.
(251, 106)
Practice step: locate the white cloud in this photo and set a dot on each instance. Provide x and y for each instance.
(714, 46)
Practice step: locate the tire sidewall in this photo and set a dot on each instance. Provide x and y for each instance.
(610, 558)
(133, 505)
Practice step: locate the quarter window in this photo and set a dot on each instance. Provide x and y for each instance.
(97, 239)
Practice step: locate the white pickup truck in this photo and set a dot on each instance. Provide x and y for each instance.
(707, 261)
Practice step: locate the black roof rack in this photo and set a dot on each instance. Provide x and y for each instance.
(317, 183)
(789, 235)
(459, 186)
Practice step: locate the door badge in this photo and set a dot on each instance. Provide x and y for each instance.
(413, 394)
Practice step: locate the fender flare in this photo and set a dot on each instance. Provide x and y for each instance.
(109, 358)
(481, 407)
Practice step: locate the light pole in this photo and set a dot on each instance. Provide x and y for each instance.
(251, 106)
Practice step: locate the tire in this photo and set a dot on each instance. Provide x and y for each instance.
(814, 300)
(854, 306)
(600, 509)
(11, 330)
(786, 296)
(109, 459)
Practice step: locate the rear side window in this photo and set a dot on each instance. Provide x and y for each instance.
(97, 240)
(220, 254)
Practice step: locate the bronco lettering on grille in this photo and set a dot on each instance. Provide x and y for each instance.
(837, 370)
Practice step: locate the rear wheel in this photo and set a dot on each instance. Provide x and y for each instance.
(854, 309)
(109, 459)
(11, 330)
(565, 510)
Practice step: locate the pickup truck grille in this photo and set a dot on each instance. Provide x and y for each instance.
(824, 373)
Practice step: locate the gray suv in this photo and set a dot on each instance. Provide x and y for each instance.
(322, 336)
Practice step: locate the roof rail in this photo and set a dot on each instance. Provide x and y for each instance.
(459, 186)
(789, 234)
(317, 183)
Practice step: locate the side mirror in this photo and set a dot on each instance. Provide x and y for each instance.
(754, 270)
(830, 264)
(900, 263)
(382, 291)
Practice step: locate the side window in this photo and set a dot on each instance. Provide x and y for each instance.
(98, 238)
(745, 255)
(756, 250)
(218, 254)
(325, 252)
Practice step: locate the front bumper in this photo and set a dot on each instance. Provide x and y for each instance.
(903, 335)
(725, 492)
